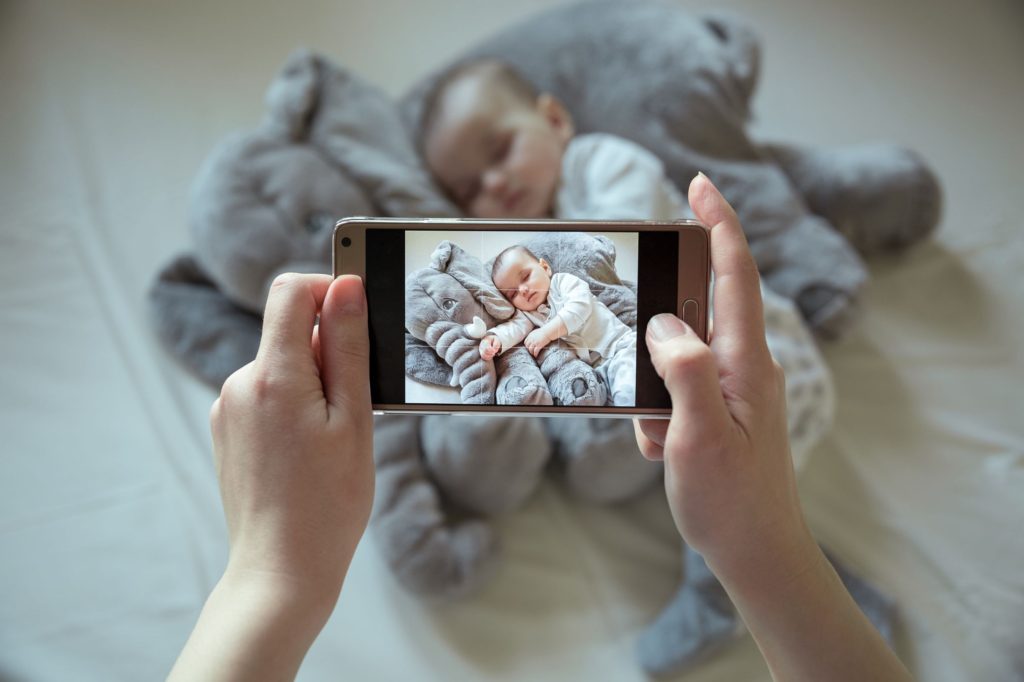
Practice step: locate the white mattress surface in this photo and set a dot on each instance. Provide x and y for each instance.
(111, 532)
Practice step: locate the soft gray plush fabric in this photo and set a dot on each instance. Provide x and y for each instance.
(331, 146)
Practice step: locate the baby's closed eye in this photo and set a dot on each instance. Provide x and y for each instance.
(500, 150)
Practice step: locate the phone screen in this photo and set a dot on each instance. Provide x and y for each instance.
(506, 317)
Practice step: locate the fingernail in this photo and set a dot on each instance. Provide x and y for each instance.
(351, 300)
(665, 326)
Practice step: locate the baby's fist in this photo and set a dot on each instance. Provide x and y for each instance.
(489, 346)
(535, 341)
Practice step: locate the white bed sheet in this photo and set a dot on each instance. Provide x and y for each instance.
(111, 533)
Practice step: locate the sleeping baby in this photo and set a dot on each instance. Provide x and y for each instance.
(560, 306)
(500, 149)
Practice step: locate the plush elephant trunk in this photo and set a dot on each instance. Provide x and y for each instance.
(471, 372)
(430, 557)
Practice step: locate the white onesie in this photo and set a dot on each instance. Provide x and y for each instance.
(609, 178)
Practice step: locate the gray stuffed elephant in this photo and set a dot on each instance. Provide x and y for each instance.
(677, 83)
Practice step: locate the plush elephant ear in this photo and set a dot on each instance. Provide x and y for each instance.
(441, 256)
(468, 271)
(292, 95)
(605, 248)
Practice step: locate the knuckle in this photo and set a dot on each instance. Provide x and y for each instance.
(263, 386)
(284, 280)
(250, 384)
(229, 389)
(687, 359)
(232, 386)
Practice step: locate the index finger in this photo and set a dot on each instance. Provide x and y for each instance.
(739, 315)
(292, 306)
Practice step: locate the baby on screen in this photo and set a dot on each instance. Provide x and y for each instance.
(557, 306)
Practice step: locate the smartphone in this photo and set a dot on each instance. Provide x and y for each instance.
(518, 317)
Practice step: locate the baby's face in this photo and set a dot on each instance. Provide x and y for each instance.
(495, 156)
(523, 280)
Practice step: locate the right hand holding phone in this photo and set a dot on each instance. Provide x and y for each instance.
(728, 470)
(489, 346)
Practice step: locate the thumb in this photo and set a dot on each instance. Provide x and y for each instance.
(688, 368)
(344, 344)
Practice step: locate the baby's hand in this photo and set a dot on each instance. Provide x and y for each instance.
(536, 341)
(489, 346)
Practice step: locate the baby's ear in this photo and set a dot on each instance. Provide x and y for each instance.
(557, 116)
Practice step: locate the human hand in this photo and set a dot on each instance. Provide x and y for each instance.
(292, 445)
(536, 341)
(292, 435)
(728, 470)
(489, 346)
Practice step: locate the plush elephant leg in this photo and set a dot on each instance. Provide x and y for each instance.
(428, 555)
(699, 620)
(571, 381)
(880, 197)
(521, 381)
(600, 460)
(487, 465)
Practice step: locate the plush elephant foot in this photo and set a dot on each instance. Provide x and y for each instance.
(880, 197)
(690, 629)
(446, 563)
(600, 460)
(829, 312)
(572, 382)
(487, 465)
(514, 389)
(699, 621)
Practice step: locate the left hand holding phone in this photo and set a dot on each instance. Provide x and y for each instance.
(293, 449)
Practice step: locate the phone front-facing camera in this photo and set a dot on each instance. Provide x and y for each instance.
(345, 241)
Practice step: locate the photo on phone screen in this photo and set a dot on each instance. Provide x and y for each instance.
(564, 303)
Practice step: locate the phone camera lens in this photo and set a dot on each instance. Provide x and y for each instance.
(345, 241)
